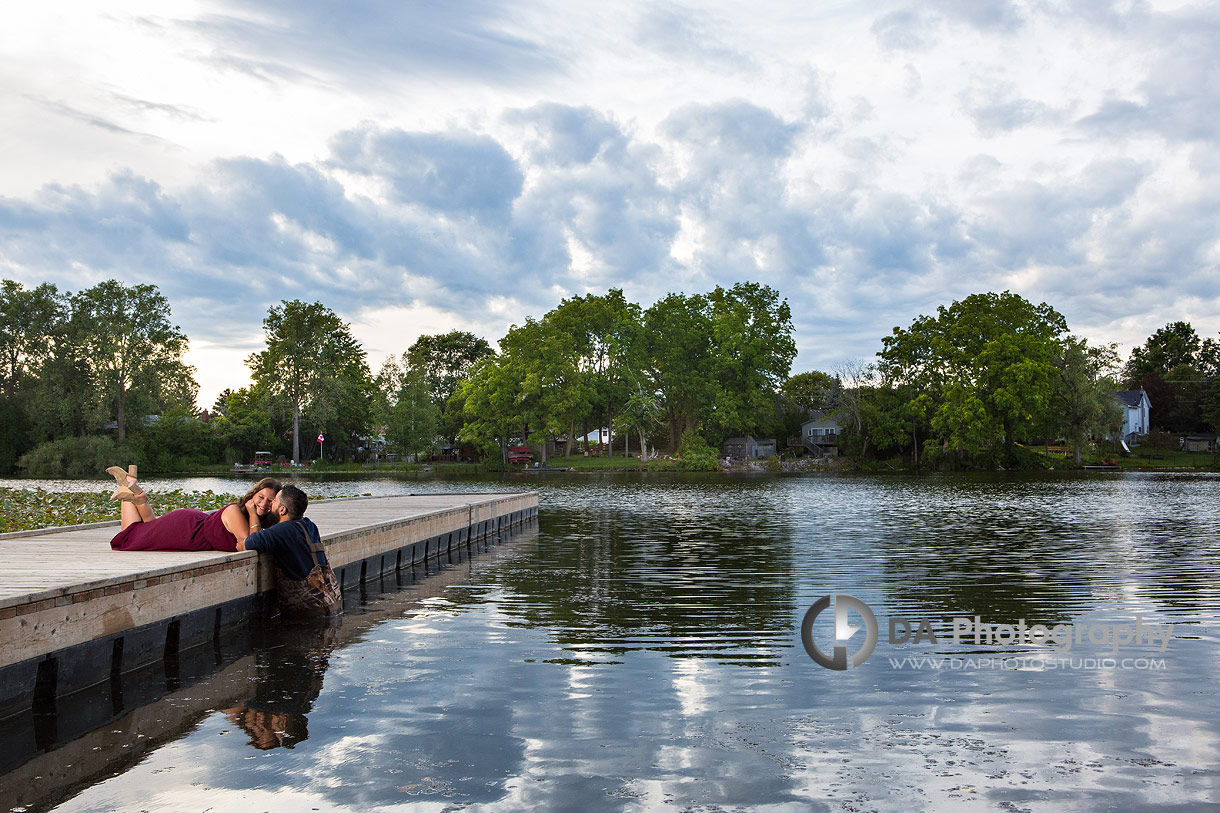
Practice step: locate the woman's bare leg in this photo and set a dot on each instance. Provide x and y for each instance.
(129, 514)
(131, 510)
(146, 512)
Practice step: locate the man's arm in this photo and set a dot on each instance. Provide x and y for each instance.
(257, 540)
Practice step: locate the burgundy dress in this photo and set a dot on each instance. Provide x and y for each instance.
(182, 529)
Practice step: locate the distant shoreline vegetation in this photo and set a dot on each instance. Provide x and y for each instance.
(97, 377)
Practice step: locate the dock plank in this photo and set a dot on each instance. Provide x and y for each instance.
(64, 589)
(42, 561)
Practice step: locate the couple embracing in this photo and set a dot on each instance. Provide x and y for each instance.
(270, 518)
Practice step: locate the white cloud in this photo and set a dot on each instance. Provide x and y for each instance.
(410, 166)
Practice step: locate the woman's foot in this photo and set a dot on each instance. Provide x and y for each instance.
(125, 479)
(128, 490)
(125, 494)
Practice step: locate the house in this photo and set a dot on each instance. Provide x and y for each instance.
(1135, 406)
(748, 448)
(1199, 443)
(820, 434)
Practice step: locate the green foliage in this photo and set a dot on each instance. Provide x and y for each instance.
(718, 360)
(74, 457)
(694, 454)
(812, 390)
(1173, 346)
(177, 441)
(245, 425)
(1161, 441)
(124, 336)
(410, 415)
(444, 362)
(1083, 399)
(753, 353)
(987, 364)
(14, 433)
(30, 324)
(314, 362)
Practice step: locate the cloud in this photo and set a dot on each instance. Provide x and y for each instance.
(682, 34)
(996, 107)
(91, 119)
(563, 135)
(736, 129)
(455, 173)
(364, 40)
(907, 29)
(918, 27)
(1176, 99)
(985, 15)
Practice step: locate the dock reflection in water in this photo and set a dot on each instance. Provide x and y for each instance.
(642, 651)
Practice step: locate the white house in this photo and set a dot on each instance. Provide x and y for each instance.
(1135, 406)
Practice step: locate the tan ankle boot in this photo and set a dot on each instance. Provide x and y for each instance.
(126, 494)
(120, 477)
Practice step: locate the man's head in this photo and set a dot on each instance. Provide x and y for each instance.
(290, 503)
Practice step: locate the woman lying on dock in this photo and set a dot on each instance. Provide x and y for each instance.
(189, 528)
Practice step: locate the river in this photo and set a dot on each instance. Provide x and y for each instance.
(641, 649)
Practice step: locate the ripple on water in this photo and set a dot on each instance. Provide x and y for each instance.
(641, 651)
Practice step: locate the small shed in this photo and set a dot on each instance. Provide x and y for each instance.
(1199, 443)
(748, 448)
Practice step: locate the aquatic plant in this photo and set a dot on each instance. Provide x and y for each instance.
(23, 509)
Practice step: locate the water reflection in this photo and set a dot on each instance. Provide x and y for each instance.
(290, 665)
(640, 651)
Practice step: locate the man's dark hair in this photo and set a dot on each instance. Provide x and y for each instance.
(294, 500)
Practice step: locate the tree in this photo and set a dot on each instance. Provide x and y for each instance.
(492, 404)
(312, 360)
(603, 333)
(987, 363)
(31, 324)
(1172, 366)
(1084, 389)
(31, 327)
(220, 408)
(678, 337)
(125, 336)
(753, 351)
(641, 414)
(811, 391)
(408, 411)
(444, 360)
(244, 424)
(1175, 345)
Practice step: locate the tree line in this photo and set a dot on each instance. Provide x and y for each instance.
(972, 384)
(89, 375)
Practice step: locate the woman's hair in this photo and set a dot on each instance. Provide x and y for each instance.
(267, 482)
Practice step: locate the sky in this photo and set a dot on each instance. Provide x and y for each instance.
(424, 166)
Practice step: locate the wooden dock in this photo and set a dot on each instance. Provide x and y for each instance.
(73, 612)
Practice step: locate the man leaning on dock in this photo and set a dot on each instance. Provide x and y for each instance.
(304, 583)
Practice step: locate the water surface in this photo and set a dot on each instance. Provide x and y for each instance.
(641, 650)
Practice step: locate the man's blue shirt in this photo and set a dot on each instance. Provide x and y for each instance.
(286, 542)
